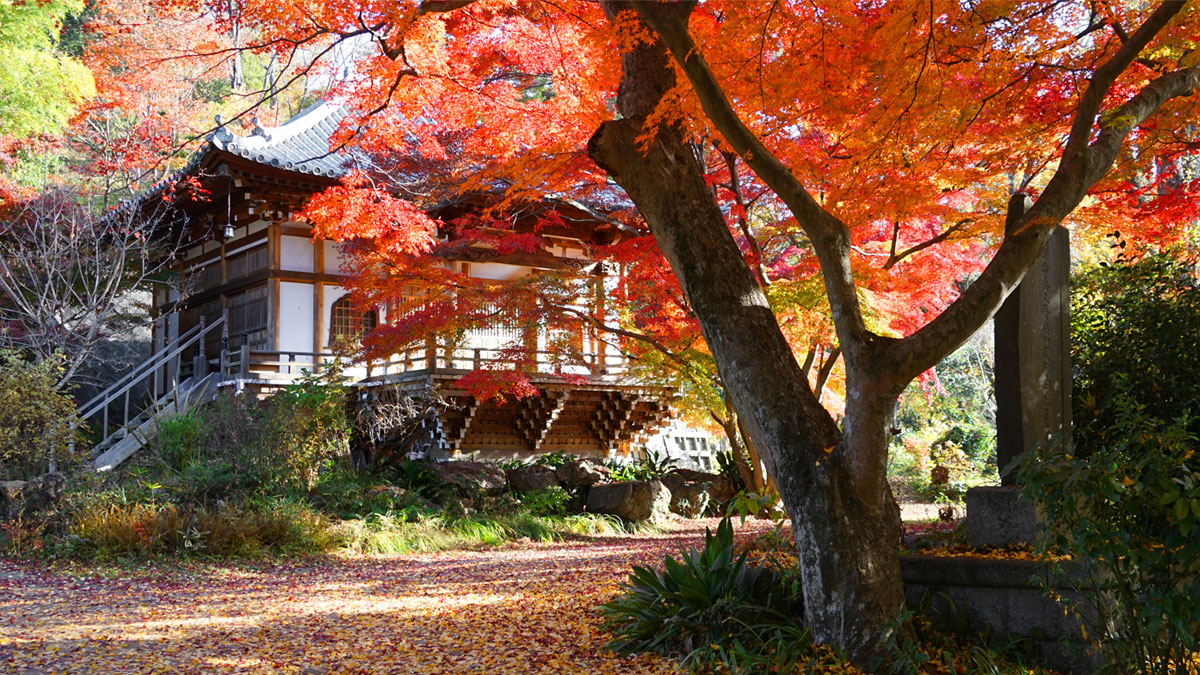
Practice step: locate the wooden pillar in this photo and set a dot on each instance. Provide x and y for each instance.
(599, 364)
(318, 301)
(274, 242)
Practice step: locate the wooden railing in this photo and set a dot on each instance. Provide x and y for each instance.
(163, 370)
(246, 363)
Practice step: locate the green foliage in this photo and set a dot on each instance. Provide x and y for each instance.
(179, 440)
(1138, 321)
(151, 529)
(549, 502)
(708, 607)
(555, 459)
(309, 426)
(416, 476)
(348, 494)
(1124, 497)
(39, 85)
(239, 447)
(949, 423)
(753, 504)
(727, 467)
(414, 531)
(647, 466)
(35, 420)
(1127, 507)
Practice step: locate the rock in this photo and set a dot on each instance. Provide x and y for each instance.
(530, 478)
(720, 488)
(10, 498)
(998, 516)
(633, 501)
(689, 498)
(22, 498)
(470, 478)
(399, 495)
(580, 473)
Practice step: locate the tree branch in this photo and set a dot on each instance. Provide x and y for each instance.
(1027, 226)
(1104, 76)
(895, 257)
(830, 237)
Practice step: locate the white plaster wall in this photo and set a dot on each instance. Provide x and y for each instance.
(295, 317)
(498, 271)
(296, 254)
(333, 258)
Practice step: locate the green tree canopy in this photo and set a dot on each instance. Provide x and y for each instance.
(39, 85)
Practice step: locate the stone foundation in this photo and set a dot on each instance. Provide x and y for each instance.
(1006, 598)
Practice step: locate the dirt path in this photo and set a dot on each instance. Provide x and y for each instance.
(526, 608)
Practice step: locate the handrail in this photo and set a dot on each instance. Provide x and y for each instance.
(136, 373)
(155, 361)
(241, 363)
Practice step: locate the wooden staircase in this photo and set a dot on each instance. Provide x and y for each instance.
(124, 424)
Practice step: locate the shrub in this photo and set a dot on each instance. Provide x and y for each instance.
(1138, 322)
(1127, 506)
(348, 494)
(555, 459)
(549, 502)
(35, 420)
(647, 466)
(229, 530)
(1124, 496)
(708, 597)
(416, 476)
(179, 440)
(309, 426)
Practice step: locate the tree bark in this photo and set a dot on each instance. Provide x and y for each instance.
(846, 531)
(832, 482)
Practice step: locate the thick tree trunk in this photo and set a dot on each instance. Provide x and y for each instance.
(833, 483)
(844, 518)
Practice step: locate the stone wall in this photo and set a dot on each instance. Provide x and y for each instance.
(1004, 597)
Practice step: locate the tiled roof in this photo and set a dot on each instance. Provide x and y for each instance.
(300, 144)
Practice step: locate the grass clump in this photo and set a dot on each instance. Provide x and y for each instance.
(147, 529)
(415, 531)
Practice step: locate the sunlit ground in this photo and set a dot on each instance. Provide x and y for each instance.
(526, 608)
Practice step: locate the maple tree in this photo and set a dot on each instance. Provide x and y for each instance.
(894, 151)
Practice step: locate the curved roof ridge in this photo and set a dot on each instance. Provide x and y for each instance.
(299, 144)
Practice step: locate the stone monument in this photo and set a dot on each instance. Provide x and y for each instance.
(1033, 385)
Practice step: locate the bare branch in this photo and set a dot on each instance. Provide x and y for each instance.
(895, 257)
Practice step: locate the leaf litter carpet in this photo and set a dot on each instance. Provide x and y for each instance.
(523, 608)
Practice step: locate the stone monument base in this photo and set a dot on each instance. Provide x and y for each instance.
(998, 517)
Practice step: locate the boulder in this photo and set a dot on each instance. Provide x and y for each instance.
(633, 501)
(580, 473)
(22, 498)
(11, 500)
(470, 478)
(720, 488)
(530, 478)
(689, 498)
(399, 495)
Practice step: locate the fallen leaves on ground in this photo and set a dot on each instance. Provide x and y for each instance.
(527, 608)
(992, 553)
